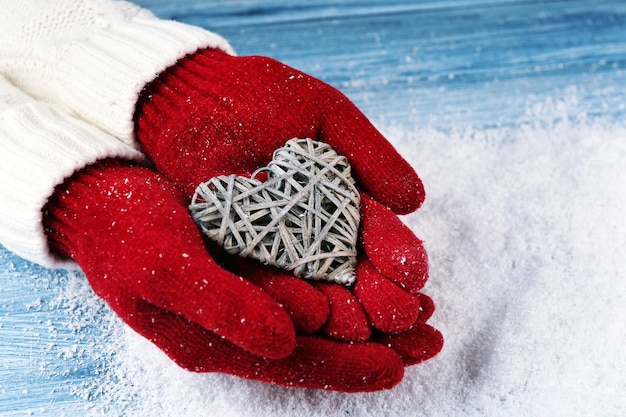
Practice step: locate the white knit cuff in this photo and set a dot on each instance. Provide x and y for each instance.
(101, 76)
(39, 148)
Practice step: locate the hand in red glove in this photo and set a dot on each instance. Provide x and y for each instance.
(130, 231)
(213, 114)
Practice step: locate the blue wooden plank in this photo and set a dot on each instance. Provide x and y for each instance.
(49, 341)
(456, 64)
(435, 59)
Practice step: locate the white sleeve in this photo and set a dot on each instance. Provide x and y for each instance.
(92, 57)
(41, 146)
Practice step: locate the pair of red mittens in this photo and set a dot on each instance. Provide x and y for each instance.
(129, 229)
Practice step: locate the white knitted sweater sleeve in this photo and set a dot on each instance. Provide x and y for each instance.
(40, 146)
(92, 57)
(83, 65)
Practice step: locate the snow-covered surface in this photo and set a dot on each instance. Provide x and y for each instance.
(513, 114)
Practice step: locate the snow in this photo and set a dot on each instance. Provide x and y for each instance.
(525, 233)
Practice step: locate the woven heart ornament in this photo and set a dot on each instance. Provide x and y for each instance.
(304, 218)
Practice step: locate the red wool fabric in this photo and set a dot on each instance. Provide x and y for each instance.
(129, 230)
(308, 308)
(347, 321)
(214, 114)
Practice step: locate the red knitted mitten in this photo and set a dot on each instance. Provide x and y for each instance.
(214, 114)
(130, 231)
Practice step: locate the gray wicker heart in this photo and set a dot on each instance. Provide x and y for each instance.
(304, 218)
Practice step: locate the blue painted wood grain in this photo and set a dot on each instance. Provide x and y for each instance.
(445, 64)
(473, 62)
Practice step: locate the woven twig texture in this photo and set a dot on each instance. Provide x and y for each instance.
(303, 218)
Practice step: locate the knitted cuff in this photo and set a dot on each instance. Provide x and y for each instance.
(39, 148)
(103, 74)
(167, 104)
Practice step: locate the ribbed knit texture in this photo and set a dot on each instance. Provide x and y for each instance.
(347, 321)
(87, 59)
(213, 114)
(308, 308)
(420, 343)
(92, 57)
(389, 308)
(392, 247)
(41, 146)
(131, 234)
(129, 231)
(315, 363)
